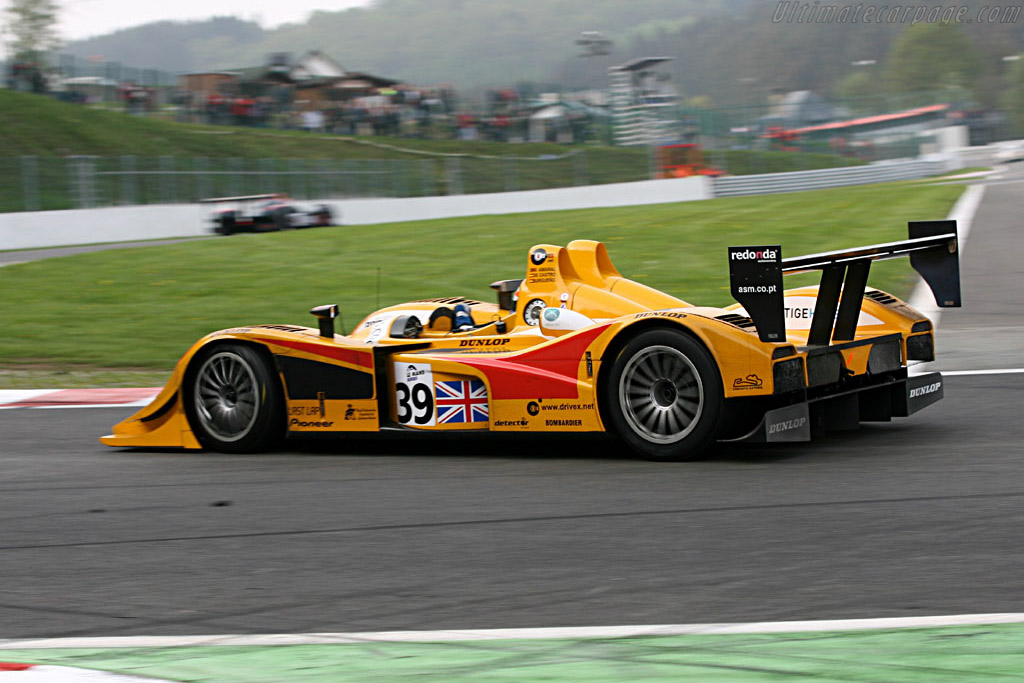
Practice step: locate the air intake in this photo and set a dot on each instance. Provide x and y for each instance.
(740, 321)
(881, 297)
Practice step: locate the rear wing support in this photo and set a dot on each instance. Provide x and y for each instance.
(755, 279)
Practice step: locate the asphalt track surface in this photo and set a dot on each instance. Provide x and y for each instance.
(918, 517)
(24, 255)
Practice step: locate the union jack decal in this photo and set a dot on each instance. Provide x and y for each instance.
(463, 401)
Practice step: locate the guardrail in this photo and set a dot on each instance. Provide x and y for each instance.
(976, 156)
(770, 183)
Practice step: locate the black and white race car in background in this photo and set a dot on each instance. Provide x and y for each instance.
(264, 213)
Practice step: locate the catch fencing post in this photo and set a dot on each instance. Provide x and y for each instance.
(235, 179)
(398, 178)
(82, 173)
(581, 171)
(199, 172)
(298, 174)
(30, 182)
(429, 171)
(323, 179)
(350, 177)
(129, 180)
(369, 178)
(266, 177)
(453, 171)
(168, 182)
(381, 178)
(511, 173)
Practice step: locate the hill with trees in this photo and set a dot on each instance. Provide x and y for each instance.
(733, 52)
(470, 43)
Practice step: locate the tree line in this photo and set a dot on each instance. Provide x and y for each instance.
(732, 52)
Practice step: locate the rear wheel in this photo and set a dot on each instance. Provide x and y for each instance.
(665, 396)
(281, 218)
(234, 401)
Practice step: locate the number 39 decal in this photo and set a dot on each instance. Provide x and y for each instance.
(414, 393)
(415, 403)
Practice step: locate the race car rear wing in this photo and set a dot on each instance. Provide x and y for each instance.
(246, 198)
(755, 279)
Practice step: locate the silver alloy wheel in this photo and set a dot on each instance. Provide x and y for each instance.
(661, 394)
(225, 396)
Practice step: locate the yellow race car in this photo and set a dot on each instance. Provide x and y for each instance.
(575, 347)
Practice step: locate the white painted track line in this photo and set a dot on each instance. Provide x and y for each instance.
(43, 673)
(954, 373)
(271, 639)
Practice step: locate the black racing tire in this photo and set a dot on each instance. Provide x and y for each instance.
(664, 395)
(280, 218)
(227, 224)
(324, 216)
(233, 400)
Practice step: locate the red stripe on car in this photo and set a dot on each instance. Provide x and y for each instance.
(345, 355)
(548, 372)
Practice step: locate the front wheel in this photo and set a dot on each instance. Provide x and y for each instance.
(323, 216)
(234, 401)
(665, 396)
(226, 224)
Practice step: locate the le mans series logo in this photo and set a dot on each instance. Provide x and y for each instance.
(538, 257)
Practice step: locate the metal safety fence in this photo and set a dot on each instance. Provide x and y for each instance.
(823, 178)
(83, 182)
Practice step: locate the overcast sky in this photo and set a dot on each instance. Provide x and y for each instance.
(85, 18)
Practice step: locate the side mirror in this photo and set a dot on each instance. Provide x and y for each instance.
(325, 315)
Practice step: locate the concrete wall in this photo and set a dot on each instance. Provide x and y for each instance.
(366, 211)
(39, 229)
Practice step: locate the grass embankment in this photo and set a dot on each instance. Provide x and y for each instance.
(42, 126)
(109, 314)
